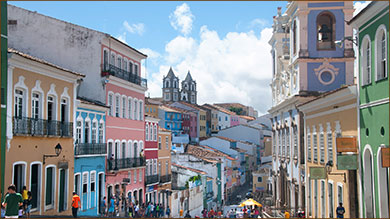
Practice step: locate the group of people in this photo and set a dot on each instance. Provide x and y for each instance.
(16, 204)
(212, 213)
(111, 207)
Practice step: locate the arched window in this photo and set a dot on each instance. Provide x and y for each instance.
(135, 109)
(105, 60)
(366, 60)
(119, 62)
(124, 106)
(294, 38)
(325, 31)
(167, 83)
(155, 133)
(147, 132)
(123, 150)
(94, 132)
(381, 53)
(112, 61)
(117, 105)
(151, 132)
(110, 104)
(129, 109)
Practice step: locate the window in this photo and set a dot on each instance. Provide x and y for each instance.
(325, 31)
(166, 142)
(315, 145)
(117, 103)
(381, 53)
(119, 62)
(50, 186)
(112, 59)
(330, 199)
(105, 60)
(308, 145)
(131, 67)
(85, 183)
(135, 176)
(78, 131)
(19, 103)
(50, 108)
(94, 132)
(159, 142)
(226, 119)
(125, 64)
(124, 107)
(135, 69)
(86, 132)
(123, 150)
(294, 38)
(64, 110)
(77, 183)
(288, 142)
(101, 130)
(295, 133)
(129, 177)
(36, 106)
(329, 143)
(140, 111)
(323, 199)
(151, 131)
(140, 175)
(93, 181)
(259, 179)
(322, 148)
(366, 60)
(309, 198)
(159, 168)
(340, 193)
(129, 109)
(155, 166)
(110, 99)
(147, 132)
(316, 198)
(135, 110)
(155, 133)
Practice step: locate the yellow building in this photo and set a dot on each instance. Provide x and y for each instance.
(330, 116)
(164, 167)
(260, 180)
(40, 154)
(151, 107)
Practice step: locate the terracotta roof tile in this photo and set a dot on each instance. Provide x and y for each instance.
(189, 168)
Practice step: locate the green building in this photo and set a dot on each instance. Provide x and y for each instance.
(3, 94)
(372, 26)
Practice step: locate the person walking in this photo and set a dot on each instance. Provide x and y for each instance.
(168, 212)
(111, 208)
(76, 202)
(12, 202)
(286, 214)
(204, 213)
(25, 198)
(29, 204)
(103, 206)
(340, 211)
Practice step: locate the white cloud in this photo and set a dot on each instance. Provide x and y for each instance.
(150, 53)
(258, 23)
(231, 68)
(182, 18)
(138, 28)
(360, 6)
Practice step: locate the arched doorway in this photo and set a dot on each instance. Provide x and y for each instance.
(383, 180)
(368, 183)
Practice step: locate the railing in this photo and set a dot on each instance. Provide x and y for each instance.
(90, 148)
(41, 127)
(125, 75)
(125, 163)
(210, 194)
(165, 178)
(151, 179)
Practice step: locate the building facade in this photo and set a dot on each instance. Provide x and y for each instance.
(328, 117)
(151, 158)
(170, 119)
(3, 91)
(372, 26)
(171, 89)
(41, 101)
(306, 62)
(90, 152)
(164, 167)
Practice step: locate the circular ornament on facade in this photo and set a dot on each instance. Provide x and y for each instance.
(326, 77)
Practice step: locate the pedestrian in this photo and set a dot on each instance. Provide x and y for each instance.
(187, 215)
(181, 213)
(219, 214)
(103, 206)
(131, 209)
(12, 202)
(25, 198)
(161, 210)
(29, 204)
(76, 202)
(168, 212)
(211, 213)
(286, 214)
(111, 208)
(340, 210)
(204, 213)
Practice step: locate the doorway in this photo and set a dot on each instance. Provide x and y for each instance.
(19, 177)
(63, 191)
(100, 189)
(368, 184)
(35, 182)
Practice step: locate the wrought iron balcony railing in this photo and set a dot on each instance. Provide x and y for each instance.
(151, 179)
(125, 75)
(165, 178)
(90, 149)
(125, 163)
(41, 127)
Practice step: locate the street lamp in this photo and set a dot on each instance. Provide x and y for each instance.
(329, 166)
(57, 150)
(340, 43)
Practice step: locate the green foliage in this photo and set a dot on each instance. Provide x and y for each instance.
(238, 111)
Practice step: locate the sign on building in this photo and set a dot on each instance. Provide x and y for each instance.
(347, 161)
(385, 157)
(346, 144)
(317, 173)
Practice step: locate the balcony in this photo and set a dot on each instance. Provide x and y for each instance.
(151, 179)
(41, 127)
(124, 163)
(209, 194)
(108, 69)
(165, 178)
(90, 149)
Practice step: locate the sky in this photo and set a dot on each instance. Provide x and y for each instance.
(223, 44)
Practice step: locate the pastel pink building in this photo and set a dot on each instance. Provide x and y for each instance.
(151, 156)
(125, 125)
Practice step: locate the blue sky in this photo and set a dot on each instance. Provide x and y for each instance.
(223, 44)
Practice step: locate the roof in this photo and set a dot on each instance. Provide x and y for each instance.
(181, 110)
(188, 77)
(235, 105)
(361, 12)
(92, 102)
(247, 117)
(153, 101)
(171, 74)
(189, 168)
(225, 138)
(206, 152)
(326, 94)
(191, 105)
(206, 105)
(249, 126)
(168, 109)
(140, 53)
(163, 129)
(33, 58)
(225, 110)
(239, 150)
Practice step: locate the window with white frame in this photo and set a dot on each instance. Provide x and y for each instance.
(151, 132)
(366, 61)
(36, 105)
(141, 111)
(129, 176)
(309, 199)
(117, 105)
(140, 175)
(155, 133)
(322, 146)
(94, 132)
(85, 183)
(124, 107)
(135, 176)
(308, 145)
(78, 131)
(323, 199)
(340, 194)
(119, 62)
(86, 131)
(155, 166)
(159, 142)
(280, 142)
(316, 198)
(284, 142)
(288, 141)
(130, 67)
(315, 146)
(273, 143)
(129, 109)
(50, 186)
(125, 64)
(135, 110)
(93, 181)
(381, 53)
(295, 133)
(330, 199)
(101, 132)
(147, 132)
(166, 142)
(123, 150)
(110, 104)
(64, 110)
(166, 167)
(329, 142)
(136, 69)
(77, 184)
(51, 108)
(19, 103)
(112, 59)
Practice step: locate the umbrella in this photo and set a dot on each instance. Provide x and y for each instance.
(250, 202)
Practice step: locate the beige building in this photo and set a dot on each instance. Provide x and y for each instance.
(151, 107)
(164, 167)
(330, 116)
(40, 154)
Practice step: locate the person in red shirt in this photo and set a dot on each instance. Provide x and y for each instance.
(76, 202)
(211, 213)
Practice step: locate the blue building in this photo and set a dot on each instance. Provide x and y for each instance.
(90, 154)
(170, 119)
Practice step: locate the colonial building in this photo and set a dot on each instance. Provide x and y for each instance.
(213, 123)
(151, 107)
(372, 26)
(90, 154)
(171, 91)
(41, 100)
(151, 157)
(164, 167)
(327, 118)
(188, 91)
(306, 62)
